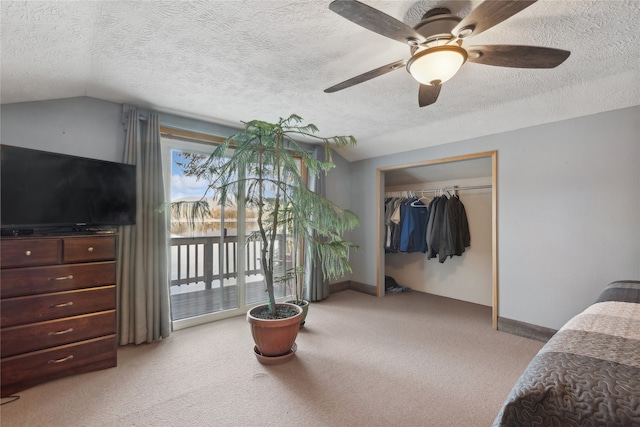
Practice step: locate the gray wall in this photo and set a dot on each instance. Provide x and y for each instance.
(85, 127)
(82, 126)
(568, 196)
(568, 211)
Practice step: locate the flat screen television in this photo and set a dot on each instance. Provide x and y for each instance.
(44, 190)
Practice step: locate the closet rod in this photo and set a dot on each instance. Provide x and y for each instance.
(453, 188)
(471, 187)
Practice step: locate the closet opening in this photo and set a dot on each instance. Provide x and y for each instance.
(469, 275)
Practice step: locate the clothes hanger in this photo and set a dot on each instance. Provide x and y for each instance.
(426, 200)
(418, 203)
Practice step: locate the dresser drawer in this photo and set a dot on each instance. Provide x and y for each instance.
(83, 249)
(26, 370)
(37, 336)
(38, 280)
(39, 308)
(28, 252)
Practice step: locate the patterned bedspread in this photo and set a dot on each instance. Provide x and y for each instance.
(588, 373)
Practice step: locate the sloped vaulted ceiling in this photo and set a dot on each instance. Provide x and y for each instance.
(228, 61)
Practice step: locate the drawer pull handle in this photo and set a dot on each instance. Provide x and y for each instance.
(64, 359)
(28, 253)
(90, 249)
(64, 304)
(69, 277)
(66, 331)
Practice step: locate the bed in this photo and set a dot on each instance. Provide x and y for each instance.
(588, 373)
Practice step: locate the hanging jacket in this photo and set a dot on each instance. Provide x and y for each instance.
(388, 211)
(413, 226)
(454, 236)
(396, 218)
(393, 224)
(461, 237)
(429, 233)
(436, 230)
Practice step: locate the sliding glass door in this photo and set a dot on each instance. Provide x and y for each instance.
(214, 266)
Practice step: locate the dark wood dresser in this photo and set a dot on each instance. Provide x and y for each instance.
(58, 308)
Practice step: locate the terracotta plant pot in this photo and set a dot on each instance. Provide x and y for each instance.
(274, 337)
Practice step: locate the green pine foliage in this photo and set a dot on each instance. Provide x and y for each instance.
(261, 163)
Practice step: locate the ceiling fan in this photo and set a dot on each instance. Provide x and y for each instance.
(436, 43)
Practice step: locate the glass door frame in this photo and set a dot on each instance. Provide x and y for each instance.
(204, 144)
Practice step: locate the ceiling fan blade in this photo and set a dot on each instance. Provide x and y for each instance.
(428, 94)
(376, 21)
(487, 15)
(517, 56)
(367, 76)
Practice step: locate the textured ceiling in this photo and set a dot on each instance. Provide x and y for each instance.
(232, 61)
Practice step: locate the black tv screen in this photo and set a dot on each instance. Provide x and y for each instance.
(42, 189)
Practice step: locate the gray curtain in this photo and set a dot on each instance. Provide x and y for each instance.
(315, 287)
(143, 279)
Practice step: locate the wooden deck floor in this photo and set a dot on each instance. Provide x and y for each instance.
(197, 303)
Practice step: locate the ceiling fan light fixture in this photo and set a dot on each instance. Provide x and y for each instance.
(437, 64)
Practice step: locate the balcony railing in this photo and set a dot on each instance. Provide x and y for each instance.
(199, 259)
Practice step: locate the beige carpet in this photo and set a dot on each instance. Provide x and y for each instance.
(409, 359)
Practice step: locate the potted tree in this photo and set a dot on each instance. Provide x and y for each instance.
(264, 166)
